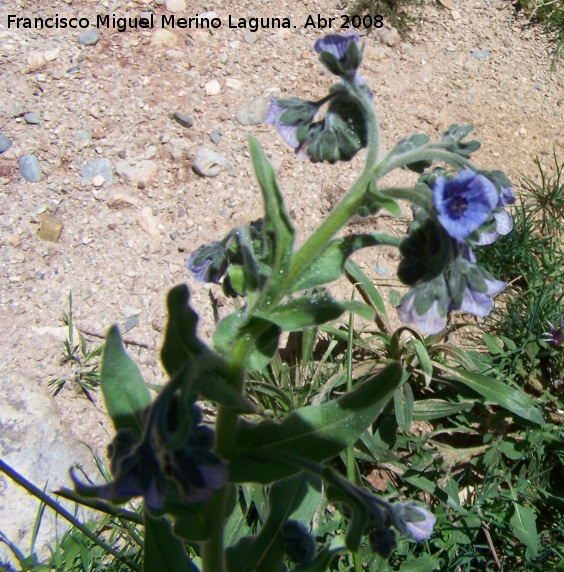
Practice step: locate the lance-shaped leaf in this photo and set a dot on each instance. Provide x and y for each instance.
(452, 140)
(181, 342)
(124, 390)
(278, 228)
(499, 393)
(329, 265)
(315, 433)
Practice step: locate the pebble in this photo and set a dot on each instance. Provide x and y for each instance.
(254, 112)
(50, 228)
(212, 87)
(389, 36)
(5, 143)
(32, 118)
(90, 38)
(84, 135)
(131, 322)
(98, 181)
(233, 83)
(181, 119)
(143, 173)
(148, 223)
(215, 136)
(35, 61)
(207, 163)
(29, 168)
(481, 54)
(250, 37)
(175, 5)
(102, 167)
(164, 39)
(538, 86)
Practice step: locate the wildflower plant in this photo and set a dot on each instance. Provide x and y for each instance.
(191, 471)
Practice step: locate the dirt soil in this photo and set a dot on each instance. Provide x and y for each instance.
(123, 245)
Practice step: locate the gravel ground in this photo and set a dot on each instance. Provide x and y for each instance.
(130, 221)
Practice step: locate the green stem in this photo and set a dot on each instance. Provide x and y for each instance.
(351, 473)
(213, 551)
(47, 500)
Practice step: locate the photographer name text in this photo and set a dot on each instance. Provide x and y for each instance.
(122, 24)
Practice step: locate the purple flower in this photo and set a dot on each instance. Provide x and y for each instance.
(556, 334)
(337, 45)
(503, 220)
(288, 116)
(471, 288)
(465, 203)
(208, 262)
(413, 519)
(425, 306)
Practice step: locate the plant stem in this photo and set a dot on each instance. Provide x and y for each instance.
(213, 552)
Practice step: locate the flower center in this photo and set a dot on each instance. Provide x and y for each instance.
(457, 206)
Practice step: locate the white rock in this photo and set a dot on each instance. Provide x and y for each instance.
(175, 5)
(148, 223)
(98, 181)
(233, 83)
(35, 61)
(164, 39)
(212, 87)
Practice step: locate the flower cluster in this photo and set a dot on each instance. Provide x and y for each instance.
(342, 132)
(439, 262)
(148, 466)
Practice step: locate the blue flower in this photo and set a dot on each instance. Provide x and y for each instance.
(340, 53)
(413, 519)
(502, 219)
(425, 305)
(465, 203)
(288, 116)
(208, 262)
(556, 334)
(472, 288)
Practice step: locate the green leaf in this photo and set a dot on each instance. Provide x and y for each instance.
(124, 390)
(423, 483)
(499, 393)
(403, 405)
(315, 433)
(277, 223)
(424, 360)
(428, 409)
(304, 312)
(162, 550)
(265, 552)
(181, 342)
(328, 266)
(424, 563)
(524, 525)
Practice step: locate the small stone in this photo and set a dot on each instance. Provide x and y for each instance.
(164, 39)
(207, 163)
(148, 223)
(98, 181)
(175, 5)
(51, 55)
(250, 37)
(101, 167)
(233, 83)
(144, 172)
(84, 135)
(389, 36)
(32, 118)
(455, 15)
(538, 86)
(5, 143)
(35, 61)
(212, 87)
(29, 168)
(131, 322)
(481, 54)
(90, 38)
(182, 119)
(50, 228)
(215, 136)
(73, 69)
(254, 112)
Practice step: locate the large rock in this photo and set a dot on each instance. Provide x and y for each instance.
(36, 445)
